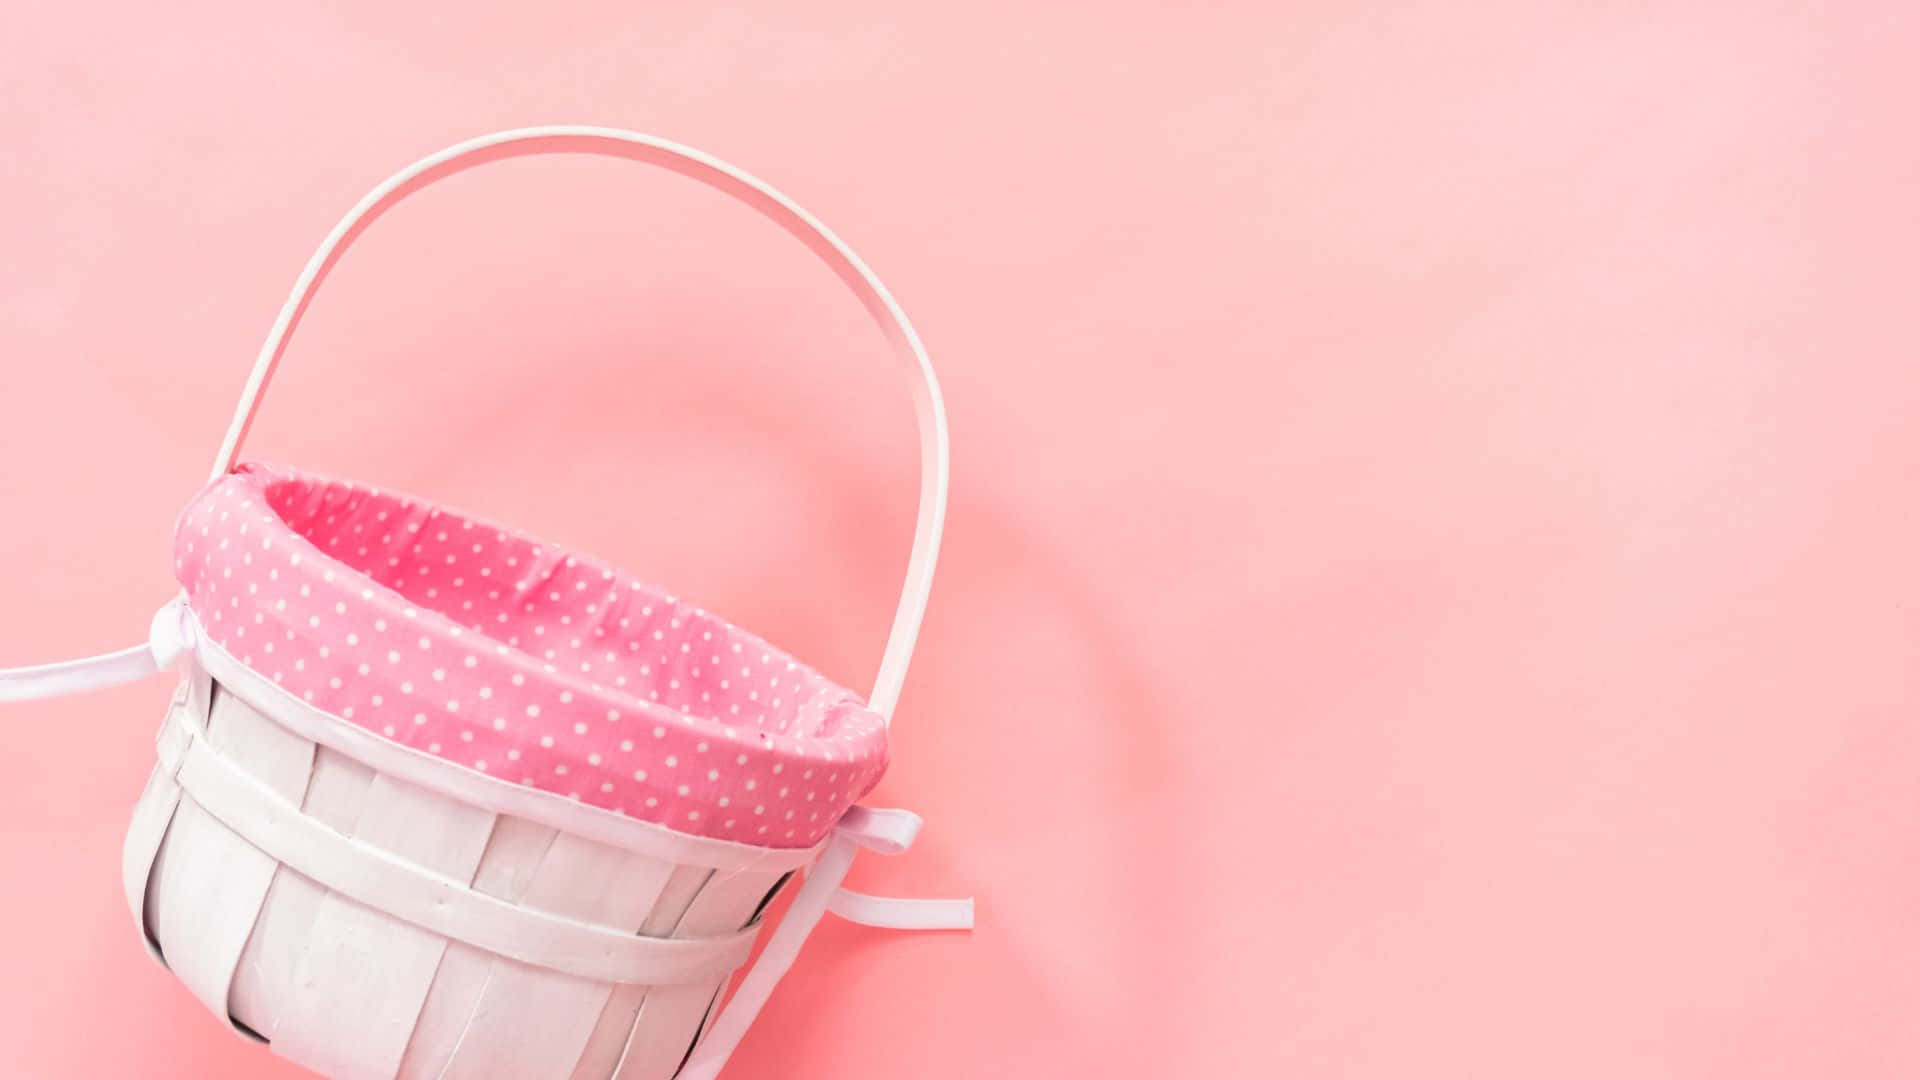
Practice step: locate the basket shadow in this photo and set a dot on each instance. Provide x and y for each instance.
(1083, 874)
(1028, 674)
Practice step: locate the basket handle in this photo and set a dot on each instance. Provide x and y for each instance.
(613, 142)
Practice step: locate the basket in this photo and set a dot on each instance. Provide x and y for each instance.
(437, 799)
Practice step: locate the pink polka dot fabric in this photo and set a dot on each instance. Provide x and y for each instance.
(510, 657)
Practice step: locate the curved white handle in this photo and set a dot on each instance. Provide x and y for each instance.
(612, 142)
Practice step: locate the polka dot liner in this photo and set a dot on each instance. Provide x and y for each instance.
(511, 657)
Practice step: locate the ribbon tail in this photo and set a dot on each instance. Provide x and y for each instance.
(77, 676)
(893, 913)
(166, 643)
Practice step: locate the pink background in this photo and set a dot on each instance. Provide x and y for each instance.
(1430, 589)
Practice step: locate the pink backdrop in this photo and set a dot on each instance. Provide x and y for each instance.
(1434, 506)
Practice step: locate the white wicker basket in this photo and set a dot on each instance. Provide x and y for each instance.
(374, 909)
(332, 909)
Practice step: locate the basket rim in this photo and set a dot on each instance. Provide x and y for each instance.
(500, 796)
(638, 702)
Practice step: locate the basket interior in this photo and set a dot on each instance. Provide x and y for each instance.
(521, 659)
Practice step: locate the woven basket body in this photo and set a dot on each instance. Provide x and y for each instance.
(358, 968)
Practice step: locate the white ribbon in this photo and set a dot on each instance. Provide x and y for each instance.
(170, 638)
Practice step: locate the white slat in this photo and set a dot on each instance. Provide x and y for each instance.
(506, 870)
(209, 898)
(205, 893)
(766, 901)
(154, 812)
(615, 1026)
(278, 758)
(671, 1017)
(151, 816)
(343, 1023)
(264, 986)
(610, 1034)
(264, 982)
(337, 791)
(584, 880)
